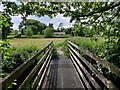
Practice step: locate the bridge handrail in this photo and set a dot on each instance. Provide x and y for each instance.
(114, 69)
(87, 73)
(5, 82)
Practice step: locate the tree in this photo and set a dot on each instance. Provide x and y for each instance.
(49, 32)
(29, 31)
(50, 25)
(60, 26)
(5, 25)
(36, 26)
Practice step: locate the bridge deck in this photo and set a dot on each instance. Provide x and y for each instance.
(62, 74)
(67, 76)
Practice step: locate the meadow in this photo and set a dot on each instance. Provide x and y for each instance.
(31, 42)
(87, 41)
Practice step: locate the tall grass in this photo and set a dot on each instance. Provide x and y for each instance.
(89, 43)
(85, 42)
(38, 43)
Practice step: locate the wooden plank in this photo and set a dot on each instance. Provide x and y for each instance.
(46, 82)
(33, 72)
(114, 69)
(90, 78)
(18, 71)
(82, 77)
(104, 80)
(44, 73)
(35, 82)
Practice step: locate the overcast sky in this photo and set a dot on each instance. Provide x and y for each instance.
(46, 20)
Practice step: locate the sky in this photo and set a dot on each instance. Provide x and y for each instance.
(45, 19)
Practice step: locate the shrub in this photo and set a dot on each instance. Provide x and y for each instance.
(49, 32)
(55, 54)
(17, 57)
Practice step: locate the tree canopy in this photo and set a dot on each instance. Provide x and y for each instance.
(35, 25)
(91, 12)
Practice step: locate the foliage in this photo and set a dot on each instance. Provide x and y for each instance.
(16, 57)
(65, 48)
(55, 54)
(29, 31)
(48, 32)
(35, 25)
(15, 32)
(88, 32)
(3, 21)
(68, 30)
(98, 15)
(78, 30)
(5, 47)
(50, 25)
(5, 25)
(112, 46)
(101, 16)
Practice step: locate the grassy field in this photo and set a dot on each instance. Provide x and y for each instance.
(88, 41)
(39, 43)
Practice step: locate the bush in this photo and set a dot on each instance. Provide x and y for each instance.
(78, 32)
(16, 57)
(49, 32)
(55, 54)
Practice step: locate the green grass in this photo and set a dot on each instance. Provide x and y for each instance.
(81, 41)
(38, 43)
(33, 36)
(85, 42)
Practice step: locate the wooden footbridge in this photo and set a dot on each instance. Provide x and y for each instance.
(42, 71)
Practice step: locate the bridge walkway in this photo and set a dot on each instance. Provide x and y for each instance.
(64, 74)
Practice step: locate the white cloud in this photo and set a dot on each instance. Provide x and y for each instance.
(56, 20)
(46, 20)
